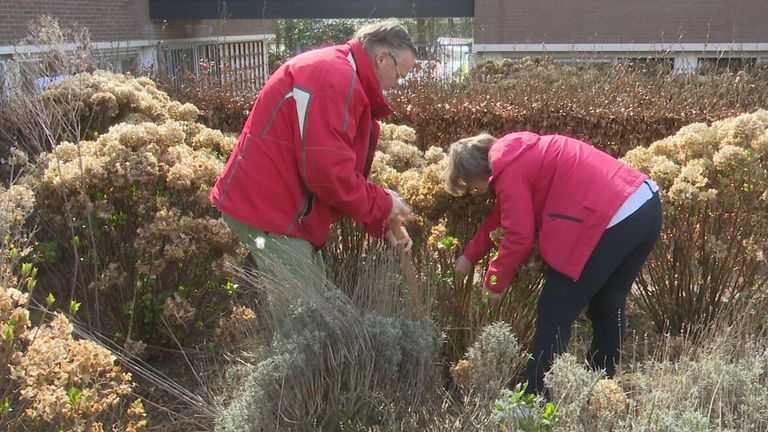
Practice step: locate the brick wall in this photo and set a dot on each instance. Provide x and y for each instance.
(106, 19)
(620, 21)
(115, 20)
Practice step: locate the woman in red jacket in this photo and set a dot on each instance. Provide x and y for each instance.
(596, 221)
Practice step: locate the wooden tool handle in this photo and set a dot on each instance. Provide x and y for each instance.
(409, 272)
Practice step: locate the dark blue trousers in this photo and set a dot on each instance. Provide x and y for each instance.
(602, 288)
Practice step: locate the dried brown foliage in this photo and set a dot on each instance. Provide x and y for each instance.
(222, 104)
(615, 108)
(137, 243)
(47, 378)
(712, 253)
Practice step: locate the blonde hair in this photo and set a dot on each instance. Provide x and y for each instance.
(467, 162)
(385, 34)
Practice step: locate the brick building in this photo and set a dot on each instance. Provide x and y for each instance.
(687, 32)
(123, 34)
(683, 33)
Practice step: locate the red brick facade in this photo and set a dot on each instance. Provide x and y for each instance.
(620, 21)
(115, 20)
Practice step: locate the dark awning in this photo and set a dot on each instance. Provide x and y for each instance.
(273, 9)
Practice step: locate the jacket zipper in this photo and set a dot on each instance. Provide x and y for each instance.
(566, 217)
(304, 210)
(369, 156)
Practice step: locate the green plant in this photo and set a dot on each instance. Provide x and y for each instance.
(516, 410)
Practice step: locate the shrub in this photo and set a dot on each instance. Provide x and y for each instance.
(48, 379)
(223, 104)
(81, 390)
(720, 386)
(493, 358)
(615, 108)
(570, 385)
(29, 122)
(338, 368)
(131, 232)
(107, 98)
(712, 249)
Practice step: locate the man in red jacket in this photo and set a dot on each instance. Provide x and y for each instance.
(305, 152)
(596, 220)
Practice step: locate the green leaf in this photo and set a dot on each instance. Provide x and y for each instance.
(48, 251)
(550, 411)
(50, 299)
(5, 406)
(74, 307)
(9, 329)
(74, 395)
(117, 219)
(446, 242)
(26, 269)
(231, 288)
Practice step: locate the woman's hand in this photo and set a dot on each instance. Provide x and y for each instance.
(463, 266)
(490, 297)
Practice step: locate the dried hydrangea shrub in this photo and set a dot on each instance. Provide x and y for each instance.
(713, 180)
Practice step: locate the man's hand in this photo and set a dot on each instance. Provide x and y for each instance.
(400, 210)
(405, 239)
(463, 266)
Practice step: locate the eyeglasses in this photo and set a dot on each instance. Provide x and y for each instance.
(397, 67)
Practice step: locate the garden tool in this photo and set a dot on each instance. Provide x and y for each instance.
(409, 272)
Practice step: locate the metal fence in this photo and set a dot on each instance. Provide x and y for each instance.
(241, 63)
(447, 58)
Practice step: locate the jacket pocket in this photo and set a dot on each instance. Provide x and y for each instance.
(307, 207)
(554, 216)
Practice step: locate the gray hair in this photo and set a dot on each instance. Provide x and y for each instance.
(385, 34)
(467, 162)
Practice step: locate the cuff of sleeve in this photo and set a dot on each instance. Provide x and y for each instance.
(497, 281)
(496, 288)
(472, 254)
(377, 229)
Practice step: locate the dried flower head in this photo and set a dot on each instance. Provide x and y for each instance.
(236, 325)
(178, 310)
(461, 372)
(134, 347)
(607, 399)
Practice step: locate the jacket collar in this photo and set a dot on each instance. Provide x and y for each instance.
(508, 148)
(371, 87)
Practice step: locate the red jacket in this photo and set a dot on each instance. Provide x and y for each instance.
(305, 152)
(560, 189)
